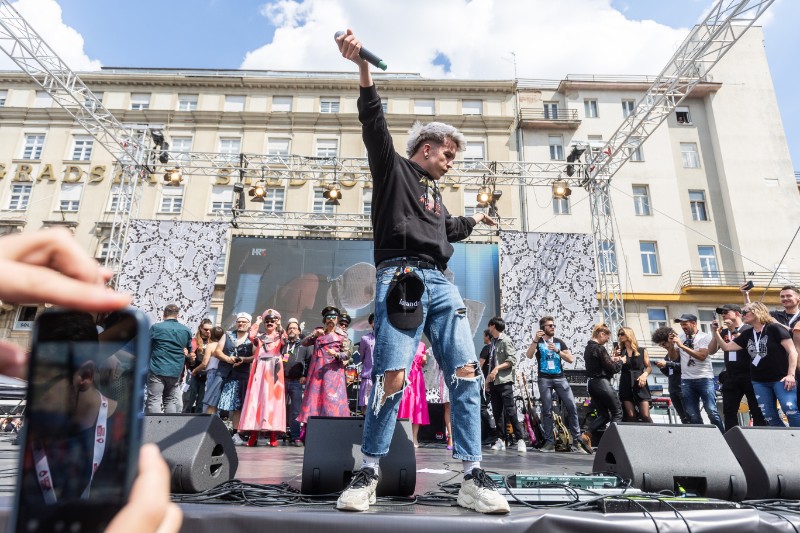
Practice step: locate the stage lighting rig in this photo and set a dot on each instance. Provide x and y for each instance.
(173, 177)
(332, 194)
(258, 191)
(561, 189)
(575, 155)
(484, 196)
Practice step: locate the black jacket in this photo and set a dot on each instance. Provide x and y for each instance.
(598, 361)
(408, 217)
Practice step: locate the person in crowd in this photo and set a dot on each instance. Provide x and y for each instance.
(235, 372)
(296, 358)
(367, 347)
(671, 369)
(600, 368)
(697, 375)
(215, 351)
(264, 407)
(789, 316)
(170, 345)
(193, 398)
(773, 362)
(414, 405)
(502, 363)
(550, 351)
(735, 380)
(326, 387)
(49, 266)
(633, 390)
(489, 433)
(413, 232)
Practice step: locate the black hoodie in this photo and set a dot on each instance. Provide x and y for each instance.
(408, 217)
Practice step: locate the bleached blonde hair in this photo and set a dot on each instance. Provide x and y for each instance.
(435, 132)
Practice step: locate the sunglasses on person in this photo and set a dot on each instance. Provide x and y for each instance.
(269, 321)
(329, 317)
(620, 334)
(549, 326)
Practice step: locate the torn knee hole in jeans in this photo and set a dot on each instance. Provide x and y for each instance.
(461, 311)
(468, 372)
(380, 396)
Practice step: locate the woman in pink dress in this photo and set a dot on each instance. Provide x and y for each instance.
(326, 387)
(264, 407)
(414, 404)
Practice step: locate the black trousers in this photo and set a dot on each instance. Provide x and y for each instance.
(487, 430)
(606, 401)
(503, 403)
(676, 396)
(732, 391)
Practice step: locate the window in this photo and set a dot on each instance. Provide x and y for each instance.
(424, 107)
(187, 102)
(708, 261)
(321, 205)
(171, 200)
(281, 104)
(274, 199)
(82, 149)
(366, 201)
(682, 115)
(179, 150)
(221, 198)
(697, 201)
(234, 103)
(34, 143)
(140, 101)
(118, 196)
(656, 317)
(628, 107)
(704, 319)
(26, 314)
(20, 197)
(556, 147)
(635, 149)
(230, 145)
(105, 251)
(561, 206)
(93, 104)
(3, 97)
(471, 203)
(327, 148)
(472, 107)
(590, 108)
(689, 155)
(641, 200)
(42, 99)
(475, 151)
(608, 257)
(385, 106)
(70, 198)
(278, 147)
(649, 253)
(551, 110)
(329, 105)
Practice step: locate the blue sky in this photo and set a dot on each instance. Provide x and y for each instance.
(454, 38)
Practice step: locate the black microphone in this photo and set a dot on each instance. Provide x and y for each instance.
(366, 55)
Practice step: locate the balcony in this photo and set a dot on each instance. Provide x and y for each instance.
(549, 119)
(701, 279)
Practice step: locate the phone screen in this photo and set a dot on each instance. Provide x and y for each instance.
(82, 421)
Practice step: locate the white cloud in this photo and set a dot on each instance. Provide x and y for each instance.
(550, 39)
(45, 17)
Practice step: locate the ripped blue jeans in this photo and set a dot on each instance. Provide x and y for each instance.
(446, 326)
(767, 392)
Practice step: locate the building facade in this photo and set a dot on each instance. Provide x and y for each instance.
(709, 200)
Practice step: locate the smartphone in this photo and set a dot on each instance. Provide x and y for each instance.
(615, 345)
(748, 286)
(83, 420)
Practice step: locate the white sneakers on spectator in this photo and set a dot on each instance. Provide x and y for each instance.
(479, 493)
(521, 446)
(360, 493)
(237, 440)
(499, 445)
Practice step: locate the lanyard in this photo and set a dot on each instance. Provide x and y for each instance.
(756, 339)
(43, 467)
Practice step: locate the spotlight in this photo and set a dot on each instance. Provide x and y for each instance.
(158, 137)
(484, 196)
(332, 194)
(575, 155)
(173, 177)
(163, 158)
(258, 191)
(561, 189)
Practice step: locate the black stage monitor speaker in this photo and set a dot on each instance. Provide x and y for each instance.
(768, 456)
(674, 457)
(435, 430)
(333, 451)
(198, 449)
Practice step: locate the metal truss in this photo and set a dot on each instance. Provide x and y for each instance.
(702, 49)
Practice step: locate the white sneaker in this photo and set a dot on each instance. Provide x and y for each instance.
(499, 445)
(360, 493)
(478, 492)
(237, 440)
(521, 446)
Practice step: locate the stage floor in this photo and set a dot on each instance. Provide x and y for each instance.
(264, 465)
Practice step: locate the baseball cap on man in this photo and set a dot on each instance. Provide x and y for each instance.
(728, 307)
(404, 300)
(686, 317)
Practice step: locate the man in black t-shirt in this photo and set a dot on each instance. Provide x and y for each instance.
(736, 381)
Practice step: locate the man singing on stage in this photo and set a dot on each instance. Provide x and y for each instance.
(412, 232)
